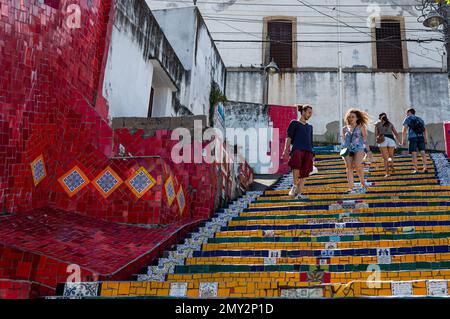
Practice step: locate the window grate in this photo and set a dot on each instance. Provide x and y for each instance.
(280, 37)
(389, 46)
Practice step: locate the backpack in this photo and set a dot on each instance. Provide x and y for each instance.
(417, 126)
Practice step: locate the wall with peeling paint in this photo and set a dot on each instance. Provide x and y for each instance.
(140, 57)
(191, 40)
(424, 83)
(373, 92)
(238, 116)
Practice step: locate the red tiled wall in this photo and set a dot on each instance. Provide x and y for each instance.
(14, 289)
(16, 264)
(447, 137)
(281, 116)
(58, 113)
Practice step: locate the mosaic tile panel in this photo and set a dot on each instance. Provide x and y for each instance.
(107, 182)
(38, 170)
(181, 200)
(208, 289)
(170, 190)
(178, 289)
(85, 289)
(140, 182)
(73, 181)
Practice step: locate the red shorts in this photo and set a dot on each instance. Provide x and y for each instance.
(303, 161)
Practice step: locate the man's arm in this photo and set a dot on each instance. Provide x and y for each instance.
(425, 135)
(287, 147)
(404, 132)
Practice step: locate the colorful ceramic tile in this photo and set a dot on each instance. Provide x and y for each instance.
(170, 190)
(402, 288)
(178, 289)
(38, 169)
(107, 182)
(73, 181)
(140, 182)
(383, 256)
(81, 289)
(208, 289)
(181, 200)
(437, 288)
(300, 293)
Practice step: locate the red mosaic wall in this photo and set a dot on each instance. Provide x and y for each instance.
(51, 107)
(281, 117)
(16, 289)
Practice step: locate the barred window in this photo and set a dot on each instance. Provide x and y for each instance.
(389, 46)
(280, 37)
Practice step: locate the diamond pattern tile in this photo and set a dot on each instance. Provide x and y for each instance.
(38, 170)
(74, 181)
(170, 190)
(141, 182)
(107, 182)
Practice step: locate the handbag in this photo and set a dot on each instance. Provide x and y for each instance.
(346, 150)
(380, 139)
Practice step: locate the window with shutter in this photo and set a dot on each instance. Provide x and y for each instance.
(389, 48)
(280, 45)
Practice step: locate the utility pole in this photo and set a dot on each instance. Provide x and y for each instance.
(340, 76)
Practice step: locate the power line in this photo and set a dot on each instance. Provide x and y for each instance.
(388, 43)
(190, 3)
(333, 41)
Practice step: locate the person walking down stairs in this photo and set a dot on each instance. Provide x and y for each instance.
(300, 136)
(354, 146)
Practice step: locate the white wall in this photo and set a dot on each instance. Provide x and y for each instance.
(244, 21)
(191, 41)
(128, 77)
(162, 102)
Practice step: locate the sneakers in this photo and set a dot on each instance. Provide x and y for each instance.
(293, 191)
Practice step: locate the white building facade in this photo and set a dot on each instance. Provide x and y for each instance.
(160, 63)
(390, 60)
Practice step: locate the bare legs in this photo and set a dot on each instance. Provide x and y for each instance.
(299, 183)
(349, 170)
(385, 153)
(355, 163)
(415, 162)
(391, 151)
(388, 157)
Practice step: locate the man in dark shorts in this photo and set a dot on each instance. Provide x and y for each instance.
(300, 136)
(414, 126)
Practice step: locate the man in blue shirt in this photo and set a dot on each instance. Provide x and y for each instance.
(414, 126)
(300, 136)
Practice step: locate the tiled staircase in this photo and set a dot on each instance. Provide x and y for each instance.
(391, 241)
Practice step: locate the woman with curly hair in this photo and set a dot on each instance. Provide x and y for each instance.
(354, 137)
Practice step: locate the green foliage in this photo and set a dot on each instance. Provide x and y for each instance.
(215, 97)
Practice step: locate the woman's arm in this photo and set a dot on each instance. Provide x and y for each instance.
(397, 136)
(376, 134)
(364, 134)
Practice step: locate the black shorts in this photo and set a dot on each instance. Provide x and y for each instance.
(417, 144)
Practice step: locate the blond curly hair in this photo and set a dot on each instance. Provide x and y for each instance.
(362, 118)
